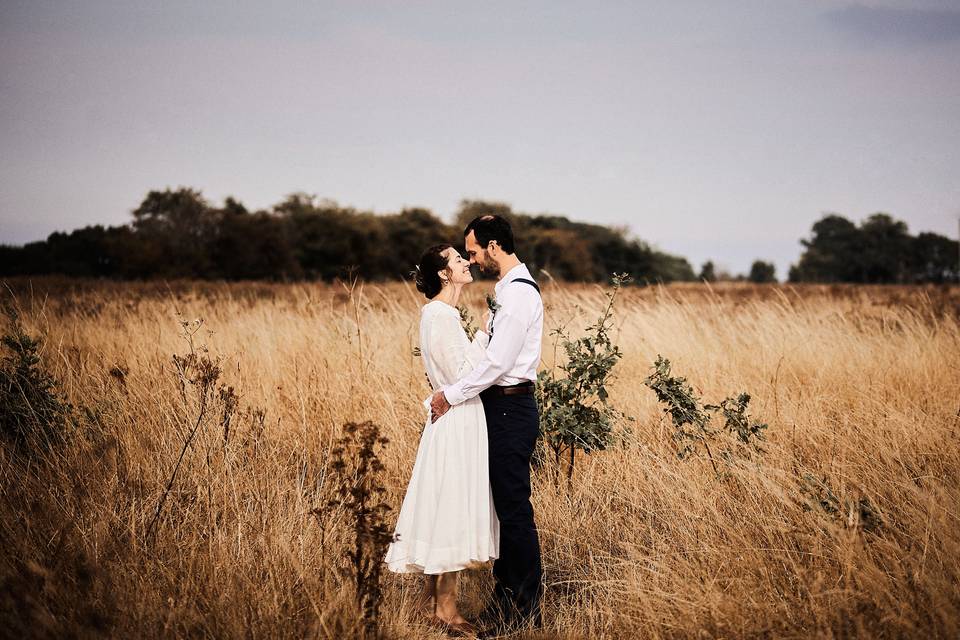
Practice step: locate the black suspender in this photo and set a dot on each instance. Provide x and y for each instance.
(529, 282)
(525, 281)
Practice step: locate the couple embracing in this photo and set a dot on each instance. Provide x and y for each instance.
(468, 500)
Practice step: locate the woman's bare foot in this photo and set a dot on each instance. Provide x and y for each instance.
(456, 618)
(446, 611)
(457, 629)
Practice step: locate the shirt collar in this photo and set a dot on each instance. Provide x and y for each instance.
(516, 271)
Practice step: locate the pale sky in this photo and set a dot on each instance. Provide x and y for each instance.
(714, 130)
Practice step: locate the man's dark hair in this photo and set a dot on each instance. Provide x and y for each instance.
(487, 228)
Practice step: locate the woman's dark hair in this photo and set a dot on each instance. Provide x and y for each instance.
(487, 228)
(426, 276)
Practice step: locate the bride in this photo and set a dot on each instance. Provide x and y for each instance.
(447, 521)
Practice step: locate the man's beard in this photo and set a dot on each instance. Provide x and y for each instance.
(489, 266)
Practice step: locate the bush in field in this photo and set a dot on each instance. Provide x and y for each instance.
(33, 412)
(692, 419)
(359, 494)
(575, 412)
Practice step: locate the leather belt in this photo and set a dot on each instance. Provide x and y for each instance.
(524, 388)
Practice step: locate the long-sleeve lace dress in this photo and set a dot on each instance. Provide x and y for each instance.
(447, 521)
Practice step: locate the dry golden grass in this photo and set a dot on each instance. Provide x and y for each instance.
(860, 387)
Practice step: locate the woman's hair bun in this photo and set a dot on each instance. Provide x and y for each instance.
(426, 276)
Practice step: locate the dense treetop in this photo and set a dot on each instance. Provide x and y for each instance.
(878, 250)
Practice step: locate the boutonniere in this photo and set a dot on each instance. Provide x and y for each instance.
(494, 306)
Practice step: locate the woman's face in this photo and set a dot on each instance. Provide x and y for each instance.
(458, 269)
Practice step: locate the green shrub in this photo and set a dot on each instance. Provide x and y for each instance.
(33, 411)
(575, 412)
(692, 419)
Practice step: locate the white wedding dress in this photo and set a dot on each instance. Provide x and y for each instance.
(447, 521)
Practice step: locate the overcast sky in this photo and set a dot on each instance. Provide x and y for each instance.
(712, 129)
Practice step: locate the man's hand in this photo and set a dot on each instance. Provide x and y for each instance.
(438, 406)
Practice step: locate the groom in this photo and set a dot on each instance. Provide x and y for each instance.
(504, 380)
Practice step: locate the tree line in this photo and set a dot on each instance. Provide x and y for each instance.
(177, 233)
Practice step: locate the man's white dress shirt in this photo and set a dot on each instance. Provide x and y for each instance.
(513, 354)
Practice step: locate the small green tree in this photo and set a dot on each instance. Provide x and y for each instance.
(708, 272)
(575, 412)
(691, 418)
(762, 272)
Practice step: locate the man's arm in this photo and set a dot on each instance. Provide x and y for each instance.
(500, 356)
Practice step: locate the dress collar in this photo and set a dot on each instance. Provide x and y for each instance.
(441, 304)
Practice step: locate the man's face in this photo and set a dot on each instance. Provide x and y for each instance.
(480, 256)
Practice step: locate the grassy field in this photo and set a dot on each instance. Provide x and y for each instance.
(847, 526)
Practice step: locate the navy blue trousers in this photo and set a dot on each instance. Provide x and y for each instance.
(513, 425)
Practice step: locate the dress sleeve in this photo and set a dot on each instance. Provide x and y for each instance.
(474, 353)
(451, 352)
